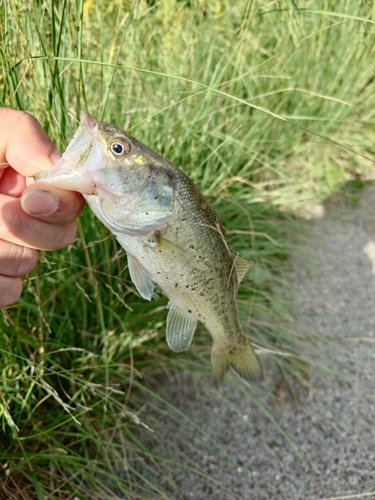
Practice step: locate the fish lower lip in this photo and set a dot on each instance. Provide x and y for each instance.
(72, 180)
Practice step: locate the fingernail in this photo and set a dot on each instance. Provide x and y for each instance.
(39, 202)
(56, 157)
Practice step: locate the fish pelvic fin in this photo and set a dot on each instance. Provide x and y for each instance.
(140, 278)
(242, 359)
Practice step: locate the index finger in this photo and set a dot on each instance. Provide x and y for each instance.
(24, 145)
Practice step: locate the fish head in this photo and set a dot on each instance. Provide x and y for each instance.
(124, 182)
(95, 147)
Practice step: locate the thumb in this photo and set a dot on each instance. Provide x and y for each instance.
(24, 145)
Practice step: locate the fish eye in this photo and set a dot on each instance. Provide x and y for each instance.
(120, 147)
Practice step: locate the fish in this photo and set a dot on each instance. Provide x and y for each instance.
(172, 237)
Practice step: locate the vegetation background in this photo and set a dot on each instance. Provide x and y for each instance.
(269, 108)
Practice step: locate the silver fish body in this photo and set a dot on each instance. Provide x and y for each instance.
(172, 237)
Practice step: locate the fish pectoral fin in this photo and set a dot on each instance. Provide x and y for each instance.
(177, 254)
(242, 266)
(180, 329)
(140, 278)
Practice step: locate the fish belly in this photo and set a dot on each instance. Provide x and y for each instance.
(192, 288)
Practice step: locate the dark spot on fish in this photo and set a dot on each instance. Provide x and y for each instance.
(187, 286)
(147, 213)
(157, 237)
(155, 198)
(176, 285)
(191, 246)
(189, 311)
(95, 185)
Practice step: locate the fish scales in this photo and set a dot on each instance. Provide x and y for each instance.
(180, 280)
(172, 237)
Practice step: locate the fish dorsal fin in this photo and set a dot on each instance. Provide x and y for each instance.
(180, 329)
(242, 266)
(140, 278)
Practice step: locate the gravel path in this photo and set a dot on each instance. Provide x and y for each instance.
(242, 454)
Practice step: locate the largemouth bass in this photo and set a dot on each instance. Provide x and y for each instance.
(172, 237)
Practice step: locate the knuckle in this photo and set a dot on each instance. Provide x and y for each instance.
(59, 236)
(67, 235)
(24, 259)
(16, 260)
(11, 220)
(10, 290)
(27, 119)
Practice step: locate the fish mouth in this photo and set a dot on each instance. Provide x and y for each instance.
(82, 156)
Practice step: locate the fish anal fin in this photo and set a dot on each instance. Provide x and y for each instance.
(180, 329)
(242, 266)
(140, 278)
(242, 359)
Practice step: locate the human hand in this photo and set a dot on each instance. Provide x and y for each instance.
(32, 217)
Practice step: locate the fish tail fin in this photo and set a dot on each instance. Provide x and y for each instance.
(241, 358)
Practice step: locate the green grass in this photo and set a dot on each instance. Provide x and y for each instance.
(267, 107)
